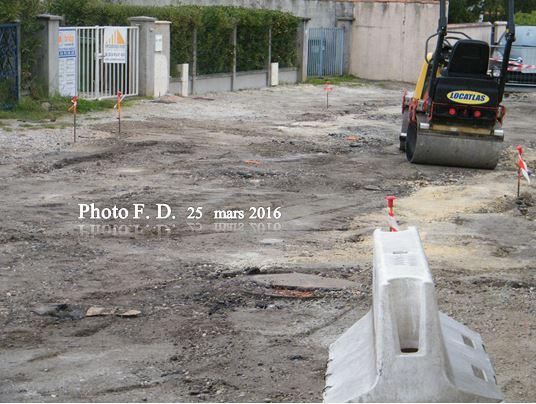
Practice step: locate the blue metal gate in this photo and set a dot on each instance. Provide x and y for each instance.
(9, 65)
(326, 52)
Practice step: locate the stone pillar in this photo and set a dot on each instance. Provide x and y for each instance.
(146, 54)
(47, 61)
(162, 58)
(303, 48)
(346, 24)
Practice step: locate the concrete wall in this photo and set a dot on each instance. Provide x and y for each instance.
(388, 38)
(322, 13)
(384, 38)
(211, 83)
(482, 31)
(288, 75)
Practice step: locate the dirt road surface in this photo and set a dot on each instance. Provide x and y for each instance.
(207, 330)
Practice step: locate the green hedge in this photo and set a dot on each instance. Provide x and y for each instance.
(214, 26)
(526, 18)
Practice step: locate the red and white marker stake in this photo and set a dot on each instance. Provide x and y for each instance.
(117, 106)
(327, 89)
(522, 169)
(393, 224)
(73, 109)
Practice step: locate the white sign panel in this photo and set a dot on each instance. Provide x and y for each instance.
(158, 43)
(115, 44)
(67, 62)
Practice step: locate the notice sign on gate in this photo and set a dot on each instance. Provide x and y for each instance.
(67, 62)
(115, 44)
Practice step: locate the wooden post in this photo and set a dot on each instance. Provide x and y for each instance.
(119, 98)
(518, 181)
(233, 71)
(19, 70)
(194, 59)
(269, 58)
(73, 108)
(520, 166)
(327, 89)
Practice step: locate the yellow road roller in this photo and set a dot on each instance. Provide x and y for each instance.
(454, 116)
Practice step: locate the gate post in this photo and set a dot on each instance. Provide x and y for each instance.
(303, 45)
(47, 66)
(146, 54)
(162, 58)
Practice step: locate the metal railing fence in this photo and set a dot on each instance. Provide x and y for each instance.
(10, 66)
(97, 79)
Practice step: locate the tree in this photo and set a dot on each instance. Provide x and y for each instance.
(463, 11)
(491, 10)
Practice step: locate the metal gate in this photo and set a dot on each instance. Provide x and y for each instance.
(326, 52)
(9, 65)
(100, 78)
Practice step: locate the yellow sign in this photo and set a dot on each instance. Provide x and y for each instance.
(115, 44)
(468, 97)
(116, 38)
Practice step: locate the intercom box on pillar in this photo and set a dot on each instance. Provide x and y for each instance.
(404, 349)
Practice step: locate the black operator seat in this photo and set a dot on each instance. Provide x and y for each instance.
(467, 70)
(469, 58)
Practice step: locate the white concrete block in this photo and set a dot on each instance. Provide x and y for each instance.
(185, 80)
(274, 74)
(161, 75)
(404, 349)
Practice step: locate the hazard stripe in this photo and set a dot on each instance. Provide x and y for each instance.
(515, 66)
(523, 167)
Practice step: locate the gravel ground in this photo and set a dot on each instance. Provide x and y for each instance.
(206, 330)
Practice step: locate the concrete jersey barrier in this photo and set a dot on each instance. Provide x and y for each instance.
(404, 349)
